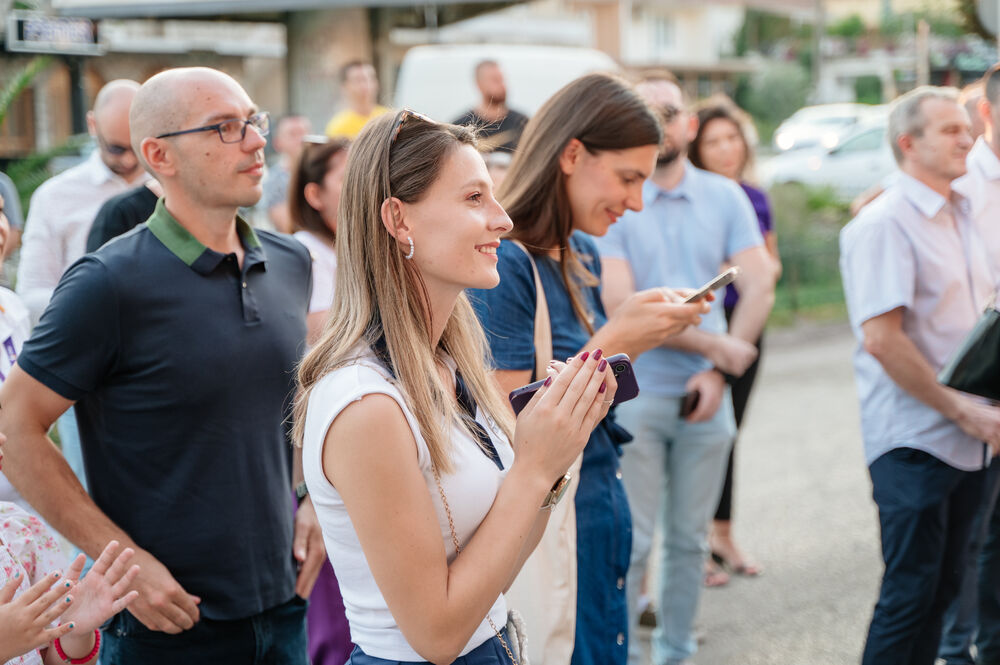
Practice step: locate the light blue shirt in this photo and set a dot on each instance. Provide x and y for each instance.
(914, 249)
(681, 238)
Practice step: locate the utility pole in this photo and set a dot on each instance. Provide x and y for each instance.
(923, 53)
(819, 28)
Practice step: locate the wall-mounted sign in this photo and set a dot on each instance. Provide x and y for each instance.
(33, 32)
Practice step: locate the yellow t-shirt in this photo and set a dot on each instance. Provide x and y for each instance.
(348, 123)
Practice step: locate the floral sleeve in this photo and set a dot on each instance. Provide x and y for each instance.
(30, 548)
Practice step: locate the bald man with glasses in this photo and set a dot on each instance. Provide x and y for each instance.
(178, 343)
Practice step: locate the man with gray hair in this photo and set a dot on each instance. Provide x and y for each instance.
(916, 278)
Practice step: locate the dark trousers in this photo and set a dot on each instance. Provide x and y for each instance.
(988, 639)
(274, 637)
(962, 621)
(926, 509)
(741, 389)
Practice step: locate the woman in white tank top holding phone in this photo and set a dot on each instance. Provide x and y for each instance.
(430, 495)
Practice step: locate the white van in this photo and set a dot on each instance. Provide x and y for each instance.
(439, 80)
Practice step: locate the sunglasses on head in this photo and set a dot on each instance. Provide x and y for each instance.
(405, 115)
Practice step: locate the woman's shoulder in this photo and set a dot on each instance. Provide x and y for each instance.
(356, 376)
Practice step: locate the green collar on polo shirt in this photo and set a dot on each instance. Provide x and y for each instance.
(185, 246)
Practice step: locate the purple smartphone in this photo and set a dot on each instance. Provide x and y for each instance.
(620, 365)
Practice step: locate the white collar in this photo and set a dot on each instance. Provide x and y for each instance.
(983, 159)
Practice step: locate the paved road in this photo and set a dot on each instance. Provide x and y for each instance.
(803, 508)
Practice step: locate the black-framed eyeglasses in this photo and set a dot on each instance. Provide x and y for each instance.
(233, 130)
(405, 115)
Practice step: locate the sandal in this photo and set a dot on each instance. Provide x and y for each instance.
(715, 576)
(742, 568)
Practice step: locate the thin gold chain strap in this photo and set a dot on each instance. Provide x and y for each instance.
(458, 550)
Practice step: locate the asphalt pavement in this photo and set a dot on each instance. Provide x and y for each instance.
(803, 509)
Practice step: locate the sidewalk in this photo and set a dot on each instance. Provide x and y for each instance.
(803, 509)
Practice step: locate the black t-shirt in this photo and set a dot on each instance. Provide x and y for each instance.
(119, 214)
(182, 364)
(503, 135)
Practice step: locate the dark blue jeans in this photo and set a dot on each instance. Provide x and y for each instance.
(274, 637)
(925, 508)
(988, 639)
(962, 621)
(490, 652)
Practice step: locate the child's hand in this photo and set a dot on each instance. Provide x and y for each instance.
(103, 592)
(24, 622)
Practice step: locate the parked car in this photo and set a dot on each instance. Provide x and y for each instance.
(862, 159)
(439, 80)
(822, 126)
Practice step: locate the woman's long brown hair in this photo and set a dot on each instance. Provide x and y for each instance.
(604, 113)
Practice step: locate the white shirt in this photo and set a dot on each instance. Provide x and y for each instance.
(60, 215)
(981, 185)
(324, 270)
(911, 248)
(470, 491)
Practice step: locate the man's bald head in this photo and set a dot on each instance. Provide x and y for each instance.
(175, 122)
(108, 123)
(172, 101)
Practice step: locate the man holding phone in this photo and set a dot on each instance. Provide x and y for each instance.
(692, 223)
(916, 278)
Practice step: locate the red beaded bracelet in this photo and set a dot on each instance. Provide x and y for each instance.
(79, 661)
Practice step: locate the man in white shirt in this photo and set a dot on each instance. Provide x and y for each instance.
(62, 210)
(974, 617)
(916, 278)
(64, 206)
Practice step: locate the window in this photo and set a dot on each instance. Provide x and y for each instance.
(873, 139)
(17, 134)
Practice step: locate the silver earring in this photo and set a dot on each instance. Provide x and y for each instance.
(410, 255)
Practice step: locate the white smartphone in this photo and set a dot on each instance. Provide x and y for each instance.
(717, 282)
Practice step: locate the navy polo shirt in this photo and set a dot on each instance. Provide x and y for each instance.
(182, 366)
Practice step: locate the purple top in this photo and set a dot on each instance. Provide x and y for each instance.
(758, 199)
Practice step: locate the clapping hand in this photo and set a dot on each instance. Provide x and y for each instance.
(25, 621)
(103, 591)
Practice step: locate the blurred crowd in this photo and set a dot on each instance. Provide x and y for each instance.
(281, 389)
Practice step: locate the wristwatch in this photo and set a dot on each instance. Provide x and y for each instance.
(556, 493)
(301, 492)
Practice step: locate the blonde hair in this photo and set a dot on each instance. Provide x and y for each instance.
(604, 113)
(379, 293)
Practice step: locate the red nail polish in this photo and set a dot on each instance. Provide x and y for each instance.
(604, 386)
(603, 365)
(548, 382)
(597, 354)
(584, 356)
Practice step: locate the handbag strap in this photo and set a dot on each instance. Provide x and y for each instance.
(543, 326)
(458, 550)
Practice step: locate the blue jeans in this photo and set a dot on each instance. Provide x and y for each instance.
(961, 621)
(925, 509)
(988, 640)
(69, 440)
(673, 472)
(274, 637)
(490, 652)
